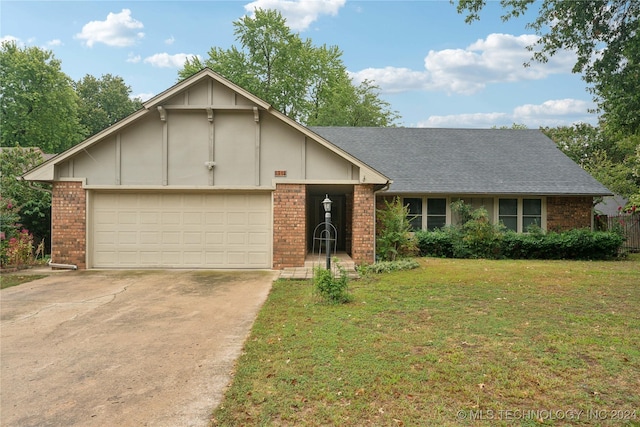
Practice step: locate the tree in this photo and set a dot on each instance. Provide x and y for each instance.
(24, 205)
(605, 34)
(309, 84)
(38, 106)
(104, 101)
(613, 159)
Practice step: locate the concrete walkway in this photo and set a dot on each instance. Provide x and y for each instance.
(314, 260)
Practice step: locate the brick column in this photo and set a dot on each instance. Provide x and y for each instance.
(68, 224)
(363, 230)
(289, 225)
(565, 213)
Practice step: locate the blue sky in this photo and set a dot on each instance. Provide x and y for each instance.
(434, 69)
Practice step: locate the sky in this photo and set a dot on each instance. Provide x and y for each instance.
(433, 68)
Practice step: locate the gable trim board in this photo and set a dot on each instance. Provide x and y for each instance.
(206, 175)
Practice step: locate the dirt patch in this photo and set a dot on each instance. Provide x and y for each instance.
(129, 348)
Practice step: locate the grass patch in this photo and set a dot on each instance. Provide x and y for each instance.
(447, 344)
(9, 280)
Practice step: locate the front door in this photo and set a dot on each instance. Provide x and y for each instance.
(338, 216)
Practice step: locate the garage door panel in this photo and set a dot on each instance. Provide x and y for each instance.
(257, 238)
(130, 238)
(149, 238)
(236, 238)
(181, 230)
(193, 238)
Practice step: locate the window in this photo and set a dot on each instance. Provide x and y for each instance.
(519, 214)
(508, 213)
(531, 213)
(436, 213)
(415, 211)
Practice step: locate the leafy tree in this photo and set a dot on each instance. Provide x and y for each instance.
(309, 84)
(104, 101)
(38, 106)
(605, 34)
(611, 157)
(24, 204)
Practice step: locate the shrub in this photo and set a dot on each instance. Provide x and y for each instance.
(480, 238)
(477, 238)
(19, 251)
(437, 243)
(394, 232)
(334, 290)
(389, 266)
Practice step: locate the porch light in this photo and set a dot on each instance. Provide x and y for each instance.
(326, 203)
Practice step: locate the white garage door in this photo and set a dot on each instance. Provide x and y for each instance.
(147, 230)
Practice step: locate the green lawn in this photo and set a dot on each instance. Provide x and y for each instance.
(455, 342)
(9, 280)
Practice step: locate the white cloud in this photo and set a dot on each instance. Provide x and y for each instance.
(300, 14)
(55, 42)
(497, 59)
(164, 60)
(133, 58)
(118, 30)
(474, 120)
(551, 109)
(555, 112)
(170, 41)
(11, 39)
(144, 96)
(391, 79)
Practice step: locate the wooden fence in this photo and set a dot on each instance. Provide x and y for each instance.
(629, 224)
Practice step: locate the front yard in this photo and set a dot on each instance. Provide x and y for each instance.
(455, 342)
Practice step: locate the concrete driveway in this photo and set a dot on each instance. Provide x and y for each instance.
(125, 348)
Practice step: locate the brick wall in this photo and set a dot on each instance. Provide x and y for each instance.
(289, 225)
(363, 231)
(348, 232)
(68, 224)
(565, 213)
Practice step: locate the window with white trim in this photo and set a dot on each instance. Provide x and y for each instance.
(415, 211)
(519, 214)
(508, 213)
(436, 213)
(429, 214)
(531, 213)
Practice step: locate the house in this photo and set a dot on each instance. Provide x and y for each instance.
(206, 175)
(519, 176)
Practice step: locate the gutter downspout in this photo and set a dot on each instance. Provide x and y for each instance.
(63, 266)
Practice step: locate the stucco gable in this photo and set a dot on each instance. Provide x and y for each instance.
(205, 131)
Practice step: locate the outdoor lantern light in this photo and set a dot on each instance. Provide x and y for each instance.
(327, 203)
(327, 228)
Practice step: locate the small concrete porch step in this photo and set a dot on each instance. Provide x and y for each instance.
(315, 260)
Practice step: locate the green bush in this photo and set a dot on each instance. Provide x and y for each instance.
(394, 239)
(480, 238)
(389, 266)
(477, 238)
(437, 243)
(334, 290)
(573, 244)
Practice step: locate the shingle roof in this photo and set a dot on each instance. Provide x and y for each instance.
(466, 161)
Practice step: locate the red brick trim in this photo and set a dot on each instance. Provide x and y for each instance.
(363, 230)
(565, 212)
(289, 225)
(69, 224)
